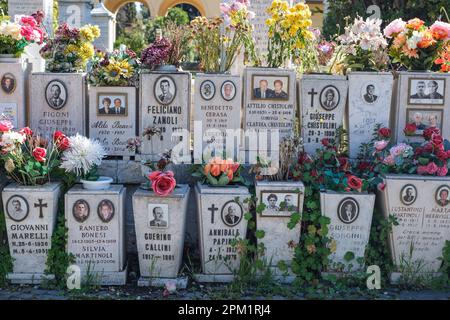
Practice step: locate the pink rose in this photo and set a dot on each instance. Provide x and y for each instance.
(163, 183)
(396, 26)
(5, 125)
(440, 30)
(28, 33)
(381, 145)
(27, 20)
(421, 170)
(39, 154)
(432, 168)
(389, 160)
(442, 171)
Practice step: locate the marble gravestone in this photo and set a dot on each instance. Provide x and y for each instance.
(369, 104)
(13, 92)
(281, 200)
(221, 219)
(322, 105)
(58, 103)
(269, 109)
(351, 218)
(96, 232)
(30, 214)
(165, 114)
(421, 206)
(160, 228)
(112, 118)
(423, 99)
(217, 109)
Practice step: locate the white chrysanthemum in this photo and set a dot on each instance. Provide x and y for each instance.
(82, 155)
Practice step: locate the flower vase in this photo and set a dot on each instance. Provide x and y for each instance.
(102, 183)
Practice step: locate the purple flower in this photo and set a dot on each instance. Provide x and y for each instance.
(157, 53)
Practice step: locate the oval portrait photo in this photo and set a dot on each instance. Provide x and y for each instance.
(207, 90)
(165, 90)
(369, 93)
(329, 98)
(56, 94)
(17, 208)
(8, 83)
(408, 194)
(228, 90)
(81, 210)
(105, 210)
(348, 210)
(443, 196)
(231, 213)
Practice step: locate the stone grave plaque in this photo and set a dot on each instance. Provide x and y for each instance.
(369, 104)
(30, 214)
(421, 207)
(351, 218)
(160, 228)
(322, 105)
(112, 118)
(423, 98)
(165, 111)
(221, 220)
(96, 237)
(58, 103)
(217, 106)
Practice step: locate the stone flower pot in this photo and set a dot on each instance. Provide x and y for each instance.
(351, 217)
(281, 198)
(221, 220)
(30, 213)
(420, 205)
(160, 224)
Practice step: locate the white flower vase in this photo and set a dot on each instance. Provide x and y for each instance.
(102, 183)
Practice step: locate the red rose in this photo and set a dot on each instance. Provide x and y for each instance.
(39, 154)
(410, 129)
(5, 126)
(428, 147)
(163, 183)
(343, 163)
(364, 165)
(442, 171)
(429, 132)
(26, 131)
(384, 132)
(63, 143)
(432, 168)
(381, 186)
(57, 135)
(354, 182)
(441, 154)
(437, 140)
(325, 142)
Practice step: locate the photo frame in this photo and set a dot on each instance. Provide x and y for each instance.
(17, 208)
(329, 97)
(280, 203)
(228, 90)
(424, 118)
(109, 100)
(164, 90)
(158, 215)
(426, 91)
(207, 90)
(348, 210)
(231, 213)
(442, 195)
(408, 194)
(277, 88)
(81, 210)
(56, 94)
(8, 83)
(106, 210)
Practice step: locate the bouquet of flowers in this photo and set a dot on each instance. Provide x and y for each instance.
(364, 46)
(157, 53)
(443, 61)
(118, 68)
(219, 172)
(415, 45)
(16, 36)
(70, 49)
(289, 32)
(219, 40)
(30, 159)
(179, 36)
(82, 157)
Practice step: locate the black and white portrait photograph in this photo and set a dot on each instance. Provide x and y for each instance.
(424, 119)
(207, 90)
(232, 213)
(81, 210)
(348, 210)
(266, 87)
(280, 203)
(408, 194)
(329, 97)
(105, 210)
(56, 94)
(426, 91)
(443, 196)
(228, 90)
(158, 215)
(8, 83)
(369, 93)
(110, 104)
(165, 90)
(17, 208)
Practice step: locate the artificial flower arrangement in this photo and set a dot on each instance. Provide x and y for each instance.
(219, 172)
(118, 68)
(16, 36)
(157, 53)
(363, 46)
(70, 49)
(179, 36)
(219, 40)
(443, 60)
(161, 180)
(30, 159)
(289, 33)
(415, 45)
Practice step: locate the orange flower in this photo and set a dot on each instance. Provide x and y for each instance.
(415, 24)
(411, 53)
(399, 41)
(207, 169)
(215, 170)
(427, 40)
(230, 175)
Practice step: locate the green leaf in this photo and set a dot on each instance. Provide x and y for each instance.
(349, 256)
(259, 234)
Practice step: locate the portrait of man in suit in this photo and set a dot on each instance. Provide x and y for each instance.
(8, 83)
(420, 91)
(231, 213)
(263, 91)
(408, 194)
(370, 96)
(348, 210)
(418, 121)
(329, 101)
(289, 204)
(165, 90)
(117, 108)
(80, 210)
(158, 218)
(56, 94)
(17, 208)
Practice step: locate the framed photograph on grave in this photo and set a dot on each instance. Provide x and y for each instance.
(369, 93)
(443, 196)
(106, 210)
(423, 91)
(158, 215)
(329, 98)
(207, 90)
(280, 203)
(165, 90)
(8, 83)
(81, 210)
(408, 194)
(424, 119)
(348, 210)
(56, 94)
(112, 104)
(17, 208)
(228, 90)
(269, 87)
(232, 213)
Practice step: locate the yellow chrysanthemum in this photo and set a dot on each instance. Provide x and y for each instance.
(89, 33)
(86, 51)
(71, 48)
